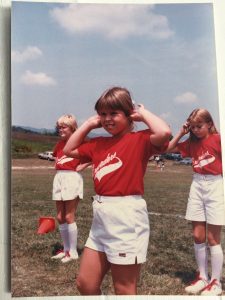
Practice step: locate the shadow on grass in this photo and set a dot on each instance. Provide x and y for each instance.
(56, 247)
(186, 277)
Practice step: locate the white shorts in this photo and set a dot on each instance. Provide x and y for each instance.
(206, 200)
(120, 228)
(67, 185)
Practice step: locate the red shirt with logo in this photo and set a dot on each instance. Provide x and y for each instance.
(205, 153)
(62, 161)
(119, 164)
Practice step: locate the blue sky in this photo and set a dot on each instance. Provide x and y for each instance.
(65, 55)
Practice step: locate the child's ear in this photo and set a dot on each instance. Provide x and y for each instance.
(210, 124)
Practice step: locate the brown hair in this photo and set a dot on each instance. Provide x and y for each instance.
(115, 98)
(201, 115)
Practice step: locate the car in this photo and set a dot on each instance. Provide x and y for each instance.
(172, 156)
(46, 155)
(185, 161)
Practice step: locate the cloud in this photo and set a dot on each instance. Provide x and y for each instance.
(166, 116)
(186, 98)
(30, 53)
(41, 79)
(113, 21)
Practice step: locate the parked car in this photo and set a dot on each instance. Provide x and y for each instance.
(173, 156)
(185, 161)
(46, 155)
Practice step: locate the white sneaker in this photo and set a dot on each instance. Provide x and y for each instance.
(59, 255)
(196, 286)
(69, 256)
(212, 289)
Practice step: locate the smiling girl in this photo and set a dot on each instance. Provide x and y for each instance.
(118, 239)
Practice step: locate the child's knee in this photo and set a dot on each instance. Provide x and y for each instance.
(199, 237)
(86, 287)
(121, 289)
(213, 240)
(69, 218)
(60, 219)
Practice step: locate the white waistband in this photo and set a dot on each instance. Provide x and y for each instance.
(206, 176)
(66, 171)
(113, 198)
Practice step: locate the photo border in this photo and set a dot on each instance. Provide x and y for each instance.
(5, 117)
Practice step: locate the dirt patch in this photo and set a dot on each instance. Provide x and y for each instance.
(35, 137)
(32, 163)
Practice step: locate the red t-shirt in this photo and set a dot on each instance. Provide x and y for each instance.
(62, 161)
(205, 153)
(119, 164)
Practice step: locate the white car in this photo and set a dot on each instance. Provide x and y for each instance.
(185, 161)
(46, 155)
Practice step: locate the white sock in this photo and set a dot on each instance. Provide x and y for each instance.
(63, 229)
(201, 256)
(216, 261)
(72, 232)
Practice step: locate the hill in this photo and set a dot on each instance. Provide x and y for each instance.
(34, 130)
(28, 143)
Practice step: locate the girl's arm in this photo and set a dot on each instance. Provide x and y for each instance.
(78, 137)
(159, 129)
(172, 147)
(81, 167)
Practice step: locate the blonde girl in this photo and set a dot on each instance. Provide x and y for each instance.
(67, 190)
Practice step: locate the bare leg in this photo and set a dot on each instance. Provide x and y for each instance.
(60, 210)
(93, 267)
(214, 232)
(125, 278)
(70, 210)
(199, 232)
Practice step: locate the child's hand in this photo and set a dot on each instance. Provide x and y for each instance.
(94, 122)
(185, 128)
(137, 114)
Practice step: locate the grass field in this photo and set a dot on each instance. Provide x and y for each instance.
(170, 263)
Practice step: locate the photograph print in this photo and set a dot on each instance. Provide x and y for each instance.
(161, 60)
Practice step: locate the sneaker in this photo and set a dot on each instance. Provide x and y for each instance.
(68, 257)
(212, 289)
(59, 255)
(196, 286)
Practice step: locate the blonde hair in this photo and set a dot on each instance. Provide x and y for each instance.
(67, 120)
(116, 98)
(201, 115)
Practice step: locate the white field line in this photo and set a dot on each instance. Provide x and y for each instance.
(166, 215)
(32, 168)
(46, 167)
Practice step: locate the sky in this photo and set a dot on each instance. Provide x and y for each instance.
(65, 55)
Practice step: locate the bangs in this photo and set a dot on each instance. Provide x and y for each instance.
(115, 99)
(108, 103)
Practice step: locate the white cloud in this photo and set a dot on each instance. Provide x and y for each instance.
(42, 79)
(113, 21)
(30, 53)
(167, 116)
(186, 98)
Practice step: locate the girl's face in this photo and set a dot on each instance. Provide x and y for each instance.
(64, 132)
(200, 129)
(114, 122)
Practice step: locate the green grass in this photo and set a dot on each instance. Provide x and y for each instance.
(28, 144)
(170, 262)
(26, 149)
